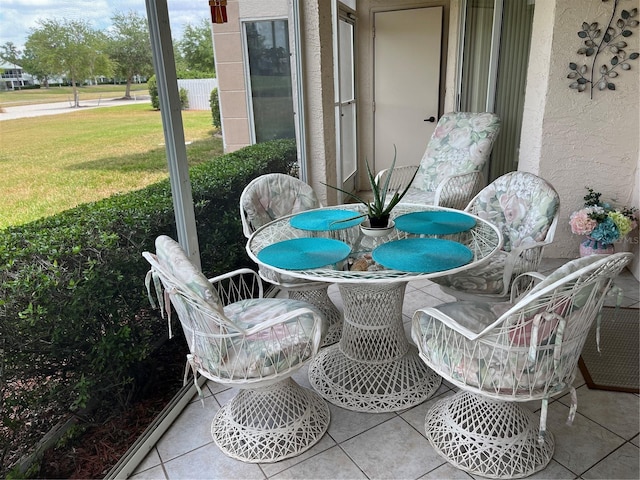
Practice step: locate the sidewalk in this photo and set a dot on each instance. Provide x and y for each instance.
(24, 111)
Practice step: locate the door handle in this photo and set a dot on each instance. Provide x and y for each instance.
(430, 119)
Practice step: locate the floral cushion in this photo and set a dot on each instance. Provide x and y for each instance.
(267, 352)
(523, 206)
(274, 195)
(172, 257)
(461, 143)
(498, 362)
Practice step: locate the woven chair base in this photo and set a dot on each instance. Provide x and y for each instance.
(318, 297)
(381, 386)
(491, 438)
(272, 423)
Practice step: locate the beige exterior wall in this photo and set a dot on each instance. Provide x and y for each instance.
(570, 139)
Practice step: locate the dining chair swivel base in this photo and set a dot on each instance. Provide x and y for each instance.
(270, 423)
(487, 437)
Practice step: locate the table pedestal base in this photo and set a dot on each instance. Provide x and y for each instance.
(373, 368)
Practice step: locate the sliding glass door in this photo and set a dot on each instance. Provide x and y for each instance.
(495, 55)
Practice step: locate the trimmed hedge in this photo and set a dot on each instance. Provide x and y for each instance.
(72, 287)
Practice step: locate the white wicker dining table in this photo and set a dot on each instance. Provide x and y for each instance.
(373, 368)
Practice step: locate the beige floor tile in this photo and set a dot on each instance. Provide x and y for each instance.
(332, 464)
(623, 463)
(582, 445)
(194, 431)
(272, 469)
(616, 411)
(346, 424)
(447, 471)
(154, 473)
(209, 462)
(392, 449)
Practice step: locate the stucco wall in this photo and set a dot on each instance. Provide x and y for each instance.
(568, 138)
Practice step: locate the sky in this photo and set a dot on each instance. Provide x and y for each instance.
(17, 17)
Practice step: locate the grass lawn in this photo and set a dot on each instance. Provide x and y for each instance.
(13, 98)
(53, 163)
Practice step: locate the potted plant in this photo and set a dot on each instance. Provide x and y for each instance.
(601, 223)
(379, 209)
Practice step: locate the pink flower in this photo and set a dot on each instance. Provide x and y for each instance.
(581, 224)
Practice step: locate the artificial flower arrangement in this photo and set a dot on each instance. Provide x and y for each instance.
(602, 223)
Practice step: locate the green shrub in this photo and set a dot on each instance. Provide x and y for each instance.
(184, 99)
(214, 102)
(152, 85)
(74, 319)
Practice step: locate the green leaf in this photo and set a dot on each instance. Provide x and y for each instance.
(611, 86)
(624, 14)
(614, 60)
(626, 33)
(582, 34)
(633, 56)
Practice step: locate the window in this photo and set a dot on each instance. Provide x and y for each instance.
(271, 100)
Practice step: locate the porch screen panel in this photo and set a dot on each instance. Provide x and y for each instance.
(270, 79)
(517, 21)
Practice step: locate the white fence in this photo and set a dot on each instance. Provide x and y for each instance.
(198, 92)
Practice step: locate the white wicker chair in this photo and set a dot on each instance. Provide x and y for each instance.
(500, 354)
(272, 196)
(254, 344)
(449, 174)
(525, 208)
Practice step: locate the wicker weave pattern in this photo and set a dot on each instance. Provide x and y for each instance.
(498, 354)
(373, 368)
(487, 437)
(271, 423)
(253, 344)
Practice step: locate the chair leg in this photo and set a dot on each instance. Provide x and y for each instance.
(271, 423)
(318, 297)
(487, 437)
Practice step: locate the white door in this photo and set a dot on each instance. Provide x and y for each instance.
(407, 79)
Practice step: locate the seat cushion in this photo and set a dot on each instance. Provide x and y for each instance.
(461, 143)
(275, 195)
(487, 279)
(494, 363)
(270, 351)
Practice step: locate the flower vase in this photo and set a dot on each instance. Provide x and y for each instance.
(592, 247)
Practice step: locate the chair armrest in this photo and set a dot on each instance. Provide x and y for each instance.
(238, 285)
(523, 283)
(445, 319)
(400, 177)
(456, 191)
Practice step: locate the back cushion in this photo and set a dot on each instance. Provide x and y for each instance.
(172, 257)
(521, 204)
(275, 195)
(461, 143)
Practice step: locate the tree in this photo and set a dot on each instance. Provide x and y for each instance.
(130, 47)
(70, 48)
(196, 50)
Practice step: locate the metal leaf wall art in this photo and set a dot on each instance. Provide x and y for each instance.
(597, 41)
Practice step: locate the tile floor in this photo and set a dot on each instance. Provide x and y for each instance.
(602, 443)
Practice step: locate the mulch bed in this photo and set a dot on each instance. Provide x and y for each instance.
(110, 433)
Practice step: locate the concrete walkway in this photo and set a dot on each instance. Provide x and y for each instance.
(24, 111)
